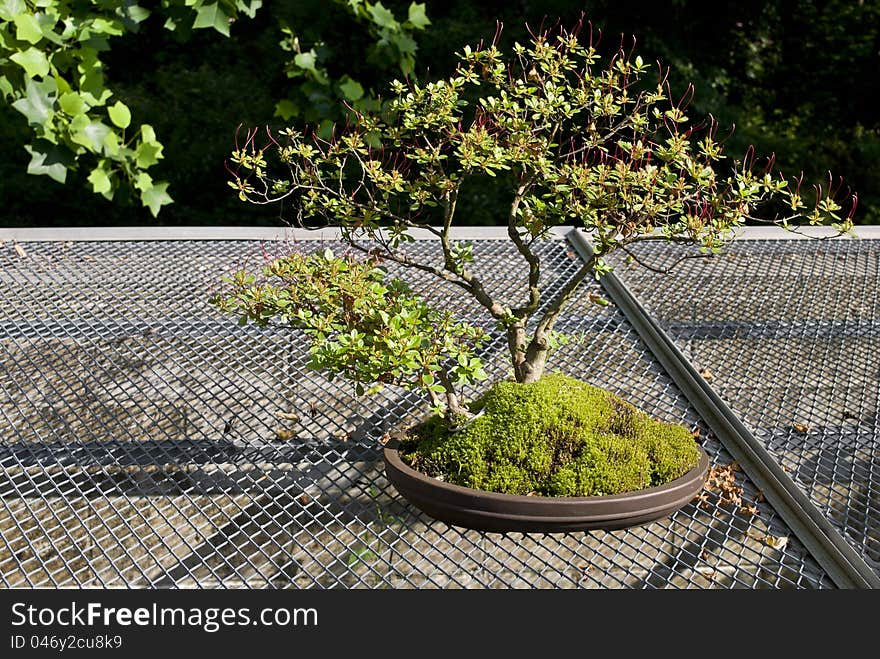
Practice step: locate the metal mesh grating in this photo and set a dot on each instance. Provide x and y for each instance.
(788, 334)
(140, 445)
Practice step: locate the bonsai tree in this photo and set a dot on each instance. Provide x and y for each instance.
(600, 143)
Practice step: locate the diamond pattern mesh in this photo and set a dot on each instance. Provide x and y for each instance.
(147, 441)
(788, 334)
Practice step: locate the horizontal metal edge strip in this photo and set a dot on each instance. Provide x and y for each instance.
(830, 550)
(804, 233)
(104, 234)
(149, 233)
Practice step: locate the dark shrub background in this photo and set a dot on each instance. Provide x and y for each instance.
(797, 78)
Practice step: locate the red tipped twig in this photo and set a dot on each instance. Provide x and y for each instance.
(749, 159)
(499, 27)
(689, 95)
(855, 204)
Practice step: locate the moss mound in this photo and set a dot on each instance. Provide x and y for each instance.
(556, 437)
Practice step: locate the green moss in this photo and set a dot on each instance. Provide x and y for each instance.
(556, 437)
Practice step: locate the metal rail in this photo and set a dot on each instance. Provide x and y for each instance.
(829, 548)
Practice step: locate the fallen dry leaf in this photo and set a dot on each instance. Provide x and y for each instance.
(385, 438)
(20, 251)
(801, 428)
(706, 374)
(290, 416)
(777, 542)
(284, 434)
(721, 481)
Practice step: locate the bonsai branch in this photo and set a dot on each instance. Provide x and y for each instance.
(529, 361)
(531, 258)
(404, 260)
(548, 320)
(435, 399)
(668, 269)
(449, 202)
(516, 344)
(687, 240)
(454, 409)
(474, 284)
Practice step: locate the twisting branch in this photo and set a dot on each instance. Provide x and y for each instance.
(404, 260)
(548, 320)
(531, 258)
(476, 287)
(806, 235)
(453, 404)
(667, 270)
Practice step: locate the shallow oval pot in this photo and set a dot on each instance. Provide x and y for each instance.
(491, 511)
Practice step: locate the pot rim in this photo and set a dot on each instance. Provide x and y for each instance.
(392, 456)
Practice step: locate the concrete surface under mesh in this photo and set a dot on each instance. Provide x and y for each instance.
(788, 334)
(141, 446)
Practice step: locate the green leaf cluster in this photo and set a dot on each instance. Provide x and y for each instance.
(319, 97)
(360, 326)
(51, 72)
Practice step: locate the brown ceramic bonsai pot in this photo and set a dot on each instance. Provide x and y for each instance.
(490, 511)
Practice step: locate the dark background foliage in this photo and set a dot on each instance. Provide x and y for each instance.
(797, 77)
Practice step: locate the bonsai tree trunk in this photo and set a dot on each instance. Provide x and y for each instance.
(535, 361)
(456, 412)
(530, 356)
(529, 359)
